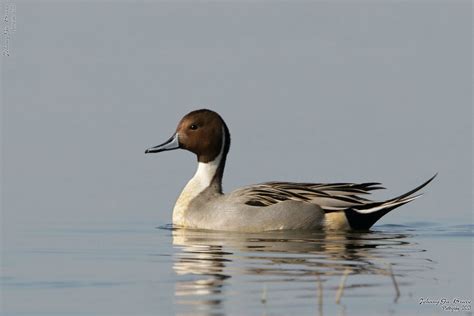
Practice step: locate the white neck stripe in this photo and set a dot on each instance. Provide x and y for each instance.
(207, 170)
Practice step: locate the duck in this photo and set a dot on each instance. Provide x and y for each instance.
(268, 206)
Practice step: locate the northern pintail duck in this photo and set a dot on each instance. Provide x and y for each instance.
(265, 206)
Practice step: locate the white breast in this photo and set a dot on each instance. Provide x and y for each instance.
(199, 182)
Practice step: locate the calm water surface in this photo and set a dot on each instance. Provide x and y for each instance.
(123, 268)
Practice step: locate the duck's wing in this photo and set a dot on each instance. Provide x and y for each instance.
(330, 197)
(327, 196)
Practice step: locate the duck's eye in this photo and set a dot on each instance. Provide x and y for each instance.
(193, 127)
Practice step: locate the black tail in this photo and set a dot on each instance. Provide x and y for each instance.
(364, 216)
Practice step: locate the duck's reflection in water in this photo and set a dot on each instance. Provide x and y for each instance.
(209, 258)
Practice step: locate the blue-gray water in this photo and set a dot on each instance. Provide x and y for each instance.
(123, 268)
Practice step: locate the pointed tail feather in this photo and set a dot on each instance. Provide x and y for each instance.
(364, 216)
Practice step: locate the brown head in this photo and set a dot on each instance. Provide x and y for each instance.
(202, 132)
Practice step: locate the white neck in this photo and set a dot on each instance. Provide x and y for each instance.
(201, 180)
(204, 174)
